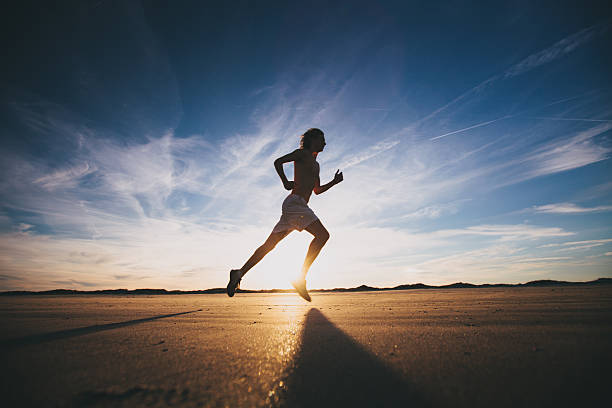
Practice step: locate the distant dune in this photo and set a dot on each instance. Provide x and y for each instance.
(362, 288)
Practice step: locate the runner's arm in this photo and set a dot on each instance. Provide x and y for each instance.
(278, 165)
(318, 188)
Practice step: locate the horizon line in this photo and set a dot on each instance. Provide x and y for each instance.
(360, 288)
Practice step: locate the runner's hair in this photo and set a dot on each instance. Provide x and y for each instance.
(308, 136)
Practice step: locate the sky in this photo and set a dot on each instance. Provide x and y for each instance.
(138, 140)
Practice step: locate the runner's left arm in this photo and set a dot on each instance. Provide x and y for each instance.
(318, 188)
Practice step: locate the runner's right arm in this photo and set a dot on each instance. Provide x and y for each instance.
(278, 165)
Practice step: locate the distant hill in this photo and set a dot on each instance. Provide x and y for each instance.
(362, 288)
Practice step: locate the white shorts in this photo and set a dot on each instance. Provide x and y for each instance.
(296, 214)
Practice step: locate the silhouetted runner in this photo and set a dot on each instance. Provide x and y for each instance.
(296, 215)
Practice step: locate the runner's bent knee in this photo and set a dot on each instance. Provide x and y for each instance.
(323, 235)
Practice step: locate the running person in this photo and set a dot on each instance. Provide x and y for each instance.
(296, 215)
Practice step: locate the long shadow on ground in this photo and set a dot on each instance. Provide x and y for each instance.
(333, 370)
(79, 331)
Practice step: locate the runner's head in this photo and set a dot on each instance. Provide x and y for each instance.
(313, 140)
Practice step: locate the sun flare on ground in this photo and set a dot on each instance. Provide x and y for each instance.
(281, 265)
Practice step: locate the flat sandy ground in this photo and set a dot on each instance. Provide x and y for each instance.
(456, 347)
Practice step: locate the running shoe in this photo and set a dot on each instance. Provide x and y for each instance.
(234, 282)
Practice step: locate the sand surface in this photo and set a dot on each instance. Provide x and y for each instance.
(454, 347)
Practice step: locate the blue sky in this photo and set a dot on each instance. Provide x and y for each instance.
(138, 141)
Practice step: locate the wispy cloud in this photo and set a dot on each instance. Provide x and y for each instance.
(542, 259)
(65, 178)
(580, 247)
(556, 155)
(577, 151)
(507, 232)
(569, 208)
(436, 211)
(370, 152)
(557, 50)
(494, 263)
(593, 242)
(69, 284)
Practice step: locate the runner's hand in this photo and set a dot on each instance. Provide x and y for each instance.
(338, 177)
(289, 185)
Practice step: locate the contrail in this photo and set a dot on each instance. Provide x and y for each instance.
(545, 56)
(521, 113)
(563, 100)
(572, 119)
(472, 127)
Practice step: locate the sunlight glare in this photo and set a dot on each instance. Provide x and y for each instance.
(281, 265)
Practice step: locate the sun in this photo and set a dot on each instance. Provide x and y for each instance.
(281, 265)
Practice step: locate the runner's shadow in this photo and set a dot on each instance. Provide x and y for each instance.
(333, 370)
(79, 331)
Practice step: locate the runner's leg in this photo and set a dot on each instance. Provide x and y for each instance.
(273, 239)
(321, 235)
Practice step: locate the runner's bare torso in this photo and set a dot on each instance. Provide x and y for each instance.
(306, 170)
(305, 174)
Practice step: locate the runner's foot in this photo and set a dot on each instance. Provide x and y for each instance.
(234, 282)
(300, 286)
